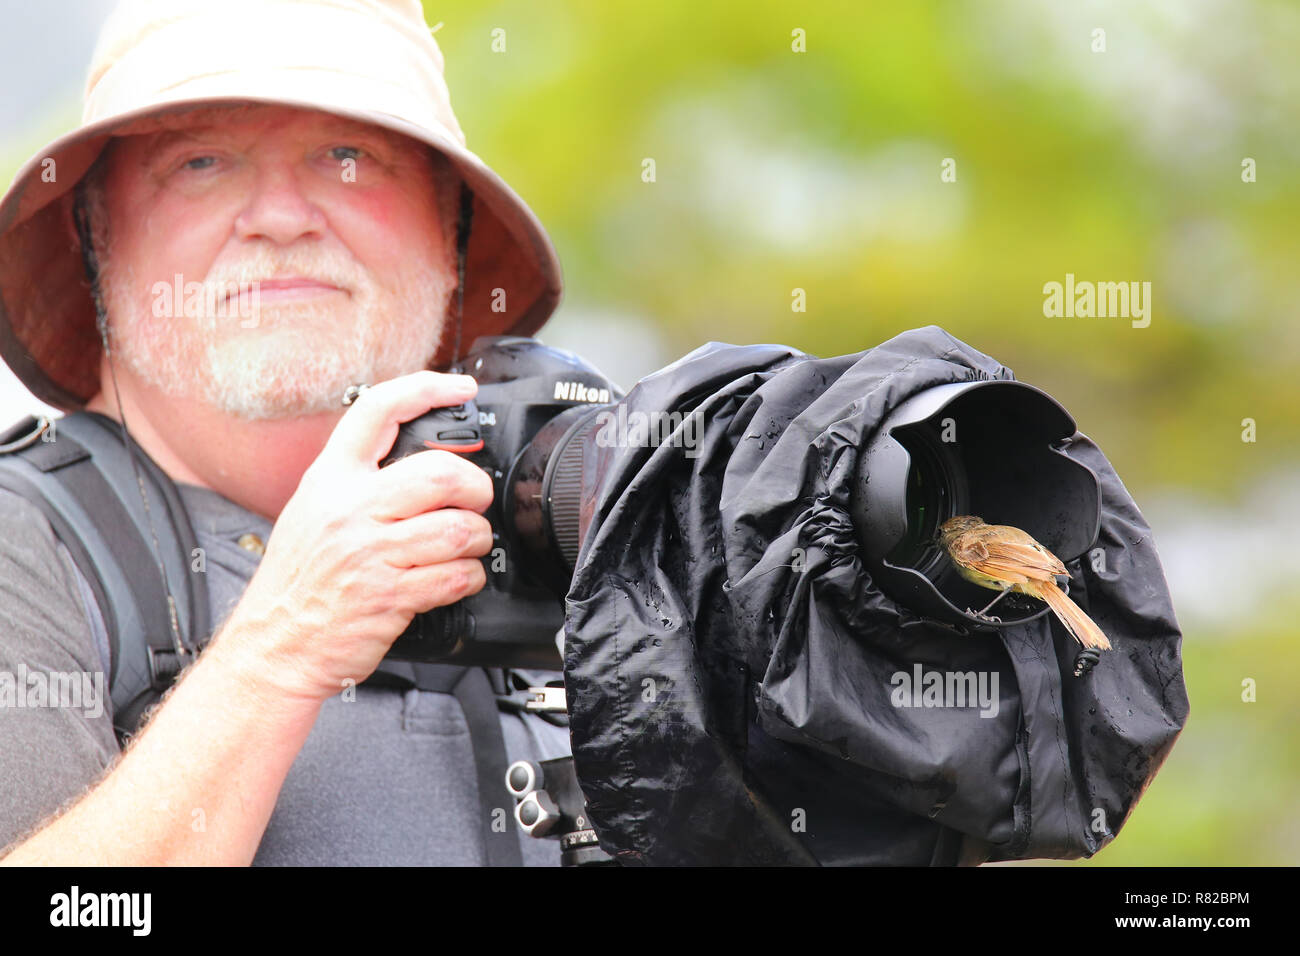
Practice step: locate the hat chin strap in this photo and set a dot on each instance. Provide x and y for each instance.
(462, 246)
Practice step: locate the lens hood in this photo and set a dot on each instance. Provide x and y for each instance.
(987, 448)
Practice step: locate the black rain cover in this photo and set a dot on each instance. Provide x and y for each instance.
(729, 662)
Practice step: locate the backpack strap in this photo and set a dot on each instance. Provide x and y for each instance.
(79, 473)
(175, 533)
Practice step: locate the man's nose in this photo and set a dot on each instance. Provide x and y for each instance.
(277, 209)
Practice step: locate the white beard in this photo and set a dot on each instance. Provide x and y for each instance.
(296, 357)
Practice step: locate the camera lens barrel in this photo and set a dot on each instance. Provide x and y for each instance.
(546, 491)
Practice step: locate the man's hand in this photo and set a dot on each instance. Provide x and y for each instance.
(359, 550)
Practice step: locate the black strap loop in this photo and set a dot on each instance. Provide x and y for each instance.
(479, 703)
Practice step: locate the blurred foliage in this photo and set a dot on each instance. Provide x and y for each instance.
(820, 170)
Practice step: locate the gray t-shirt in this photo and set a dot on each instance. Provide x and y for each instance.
(385, 779)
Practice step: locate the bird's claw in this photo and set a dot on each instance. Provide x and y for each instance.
(986, 618)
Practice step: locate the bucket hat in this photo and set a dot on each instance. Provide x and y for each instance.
(375, 61)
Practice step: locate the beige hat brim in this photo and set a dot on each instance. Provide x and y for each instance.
(47, 318)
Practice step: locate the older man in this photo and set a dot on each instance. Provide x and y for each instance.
(310, 167)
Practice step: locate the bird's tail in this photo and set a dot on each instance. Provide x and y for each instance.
(1076, 622)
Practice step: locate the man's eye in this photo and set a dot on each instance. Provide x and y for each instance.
(199, 162)
(346, 152)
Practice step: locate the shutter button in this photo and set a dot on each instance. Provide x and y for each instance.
(251, 542)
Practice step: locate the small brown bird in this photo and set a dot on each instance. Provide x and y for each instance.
(1003, 558)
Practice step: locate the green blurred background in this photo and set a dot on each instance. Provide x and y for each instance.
(820, 170)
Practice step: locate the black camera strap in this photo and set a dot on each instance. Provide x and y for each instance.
(479, 702)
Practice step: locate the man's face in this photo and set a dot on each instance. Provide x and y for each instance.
(331, 227)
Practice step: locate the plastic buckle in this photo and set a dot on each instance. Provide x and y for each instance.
(547, 699)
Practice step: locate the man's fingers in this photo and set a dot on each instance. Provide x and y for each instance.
(366, 433)
(436, 537)
(428, 480)
(438, 585)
